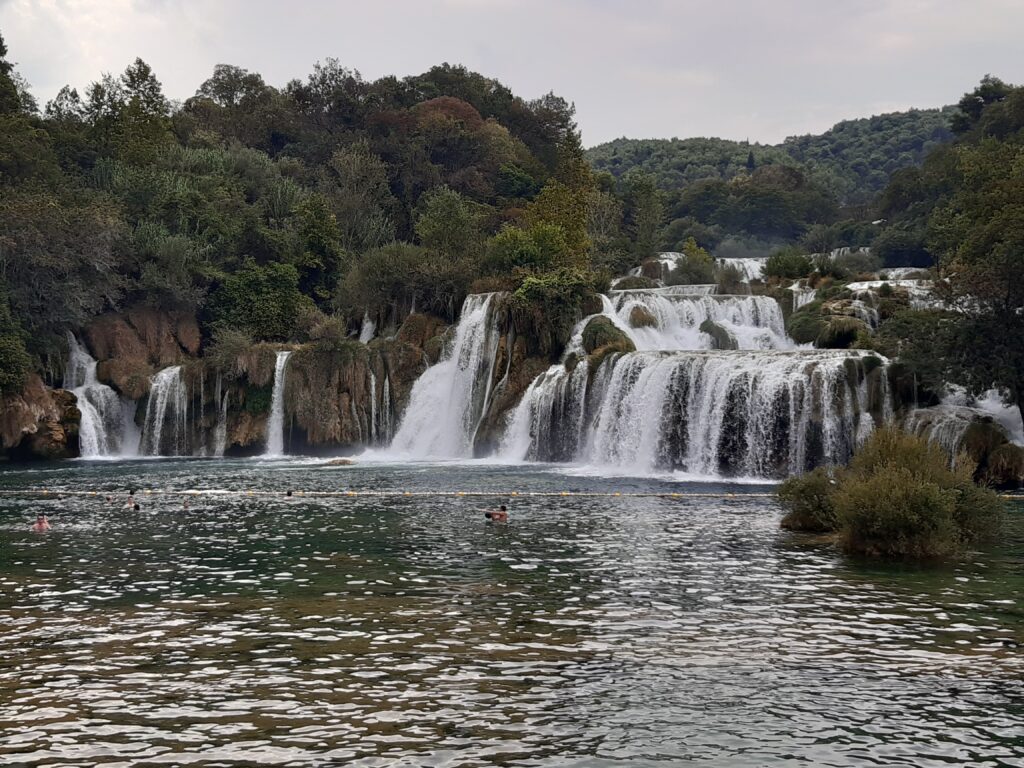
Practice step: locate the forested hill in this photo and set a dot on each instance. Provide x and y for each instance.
(853, 160)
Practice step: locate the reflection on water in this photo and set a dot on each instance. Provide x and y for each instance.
(382, 632)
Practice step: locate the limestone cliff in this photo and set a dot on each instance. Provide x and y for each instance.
(38, 422)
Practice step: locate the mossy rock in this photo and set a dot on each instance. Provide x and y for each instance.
(591, 305)
(419, 328)
(641, 317)
(601, 332)
(433, 348)
(981, 439)
(840, 332)
(599, 355)
(1005, 467)
(722, 338)
(806, 325)
(635, 282)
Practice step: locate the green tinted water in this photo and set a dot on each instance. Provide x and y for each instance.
(246, 630)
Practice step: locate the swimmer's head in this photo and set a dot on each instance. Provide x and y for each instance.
(502, 508)
(487, 515)
(136, 507)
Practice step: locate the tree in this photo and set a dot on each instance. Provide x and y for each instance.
(979, 234)
(446, 223)
(645, 214)
(263, 301)
(14, 360)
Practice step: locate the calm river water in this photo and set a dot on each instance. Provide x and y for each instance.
(265, 630)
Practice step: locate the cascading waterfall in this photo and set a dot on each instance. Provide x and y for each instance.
(367, 330)
(373, 408)
(448, 401)
(763, 414)
(751, 322)
(802, 295)
(165, 429)
(275, 424)
(220, 431)
(385, 409)
(749, 269)
(103, 429)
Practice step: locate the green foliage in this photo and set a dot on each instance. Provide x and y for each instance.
(15, 362)
(853, 159)
(788, 263)
(547, 306)
(899, 499)
(694, 267)
(446, 223)
(227, 349)
(541, 247)
(808, 501)
(634, 282)
(805, 325)
(258, 400)
(262, 301)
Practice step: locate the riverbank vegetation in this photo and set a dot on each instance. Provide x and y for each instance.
(899, 497)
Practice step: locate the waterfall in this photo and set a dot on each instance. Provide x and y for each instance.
(665, 321)
(367, 330)
(167, 407)
(373, 407)
(385, 409)
(275, 424)
(763, 414)
(104, 426)
(802, 295)
(750, 269)
(220, 432)
(448, 401)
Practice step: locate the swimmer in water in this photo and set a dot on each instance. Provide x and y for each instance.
(501, 516)
(41, 524)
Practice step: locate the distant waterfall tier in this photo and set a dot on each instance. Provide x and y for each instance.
(275, 423)
(105, 428)
(166, 427)
(669, 321)
(757, 414)
(448, 401)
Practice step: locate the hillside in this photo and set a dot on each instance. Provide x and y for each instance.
(853, 160)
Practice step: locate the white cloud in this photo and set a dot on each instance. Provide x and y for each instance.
(741, 69)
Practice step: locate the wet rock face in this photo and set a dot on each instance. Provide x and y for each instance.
(130, 347)
(39, 423)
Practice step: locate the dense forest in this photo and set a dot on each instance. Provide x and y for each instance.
(852, 161)
(285, 212)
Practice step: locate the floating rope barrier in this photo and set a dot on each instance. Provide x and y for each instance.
(222, 492)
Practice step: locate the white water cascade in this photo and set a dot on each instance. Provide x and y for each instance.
(666, 321)
(275, 424)
(104, 427)
(448, 401)
(165, 429)
(763, 414)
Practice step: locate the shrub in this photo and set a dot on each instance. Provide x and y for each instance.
(805, 325)
(893, 513)
(634, 281)
(788, 263)
(546, 307)
(260, 300)
(809, 501)
(899, 498)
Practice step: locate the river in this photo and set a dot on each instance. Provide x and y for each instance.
(246, 629)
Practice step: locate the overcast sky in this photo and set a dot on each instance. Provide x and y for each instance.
(739, 69)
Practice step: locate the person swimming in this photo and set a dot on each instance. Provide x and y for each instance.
(41, 524)
(500, 516)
